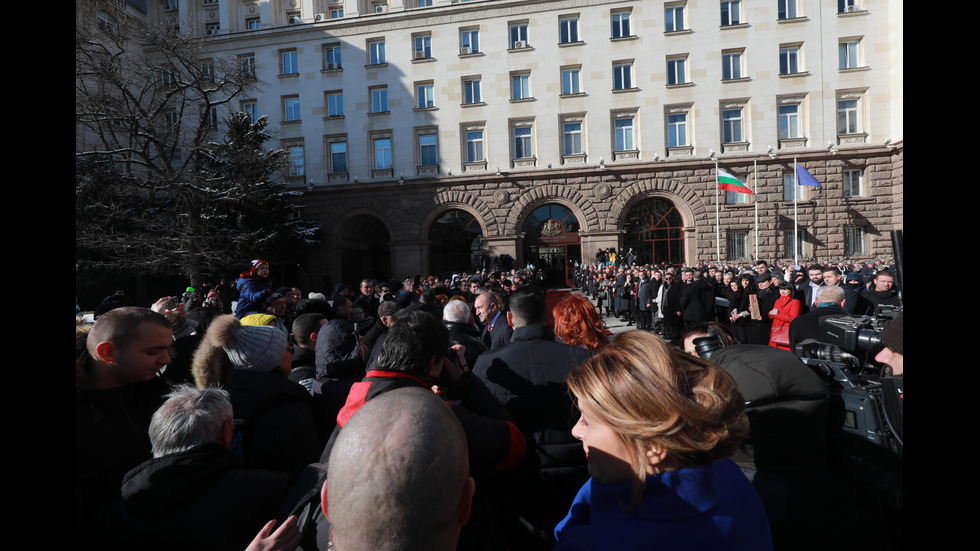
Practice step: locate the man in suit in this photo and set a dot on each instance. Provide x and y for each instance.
(806, 290)
(697, 300)
(829, 302)
(496, 331)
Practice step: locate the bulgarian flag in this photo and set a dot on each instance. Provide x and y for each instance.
(728, 182)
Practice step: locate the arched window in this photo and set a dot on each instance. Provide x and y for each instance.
(654, 228)
(451, 243)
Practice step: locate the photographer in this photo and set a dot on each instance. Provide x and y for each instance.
(892, 354)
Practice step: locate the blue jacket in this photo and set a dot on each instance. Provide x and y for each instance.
(706, 507)
(252, 294)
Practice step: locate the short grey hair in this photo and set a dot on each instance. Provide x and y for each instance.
(456, 311)
(191, 416)
(830, 293)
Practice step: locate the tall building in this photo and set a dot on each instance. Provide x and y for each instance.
(430, 136)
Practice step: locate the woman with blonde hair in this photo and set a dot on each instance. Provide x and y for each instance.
(658, 426)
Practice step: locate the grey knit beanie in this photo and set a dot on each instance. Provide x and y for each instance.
(255, 348)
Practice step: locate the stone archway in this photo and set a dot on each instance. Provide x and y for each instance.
(362, 242)
(451, 238)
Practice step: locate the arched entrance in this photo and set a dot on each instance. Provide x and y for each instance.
(365, 253)
(655, 229)
(451, 244)
(552, 243)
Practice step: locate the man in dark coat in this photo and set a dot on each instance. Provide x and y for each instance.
(807, 326)
(697, 301)
(496, 331)
(455, 316)
(529, 379)
(169, 502)
(646, 301)
(670, 306)
(832, 276)
(805, 291)
(884, 293)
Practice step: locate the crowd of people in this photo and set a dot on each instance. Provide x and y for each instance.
(435, 413)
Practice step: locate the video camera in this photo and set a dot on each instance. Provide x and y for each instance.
(866, 414)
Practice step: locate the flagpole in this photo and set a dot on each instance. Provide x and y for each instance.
(796, 192)
(755, 182)
(717, 216)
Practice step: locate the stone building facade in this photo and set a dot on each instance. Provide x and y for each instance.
(429, 136)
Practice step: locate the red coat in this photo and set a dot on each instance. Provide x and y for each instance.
(788, 308)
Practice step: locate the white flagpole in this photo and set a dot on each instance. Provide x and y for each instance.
(717, 216)
(796, 232)
(755, 183)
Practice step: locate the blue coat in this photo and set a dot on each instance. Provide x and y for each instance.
(706, 507)
(252, 294)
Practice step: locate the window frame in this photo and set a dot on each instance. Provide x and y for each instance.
(376, 52)
(475, 145)
(522, 92)
(796, 116)
(247, 67)
(680, 122)
(673, 62)
(789, 240)
(855, 235)
(288, 62)
(472, 91)
(291, 107)
(253, 23)
(379, 99)
(333, 100)
(627, 132)
(332, 51)
(293, 169)
(737, 239)
(422, 46)
(738, 124)
(621, 25)
(733, 11)
(250, 107)
(521, 27)
(523, 145)
(577, 70)
(568, 30)
(732, 64)
(850, 179)
(788, 10)
(671, 13)
(791, 59)
(848, 116)
(789, 183)
(332, 165)
(427, 151)
(468, 35)
(425, 95)
(623, 75)
(378, 142)
(572, 139)
(849, 53)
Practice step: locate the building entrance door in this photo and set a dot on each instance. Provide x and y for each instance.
(552, 243)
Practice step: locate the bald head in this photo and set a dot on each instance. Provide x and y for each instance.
(399, 475)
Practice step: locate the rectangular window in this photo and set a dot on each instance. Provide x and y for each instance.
(847, 54)
(738, 243)
(568, 30)
(376, 52)
(677, 130)
(677, 70)
(674, 17)
(570, 81)
(852, 183)
(733, 198)
(731, 12)
(572, 138)
(428, 150)
(212, 28)
(252, 23)
(621, 24)
(623, 76)
(847, 116)
(250, 108)
(335, 103)
(789, 121)
(338, 156)
(469, 41)
(247, 65)
(471, 91)
(211, 118)
(791, 191)
(289, 63)
(523, 142)
(623, 129)
(290, 109)
(423, 47)
(789, 60)
(296, 162)
(379, 99)
(787, 9)
(846, 6)
(423, 4)
(474, 146)
(731, 122)
(424, 95)
(382, 153)
(518, 36)
(336, 13)
(792, 242)
(520, 86)
(731, 64)
(331, 57)
(854, 241)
